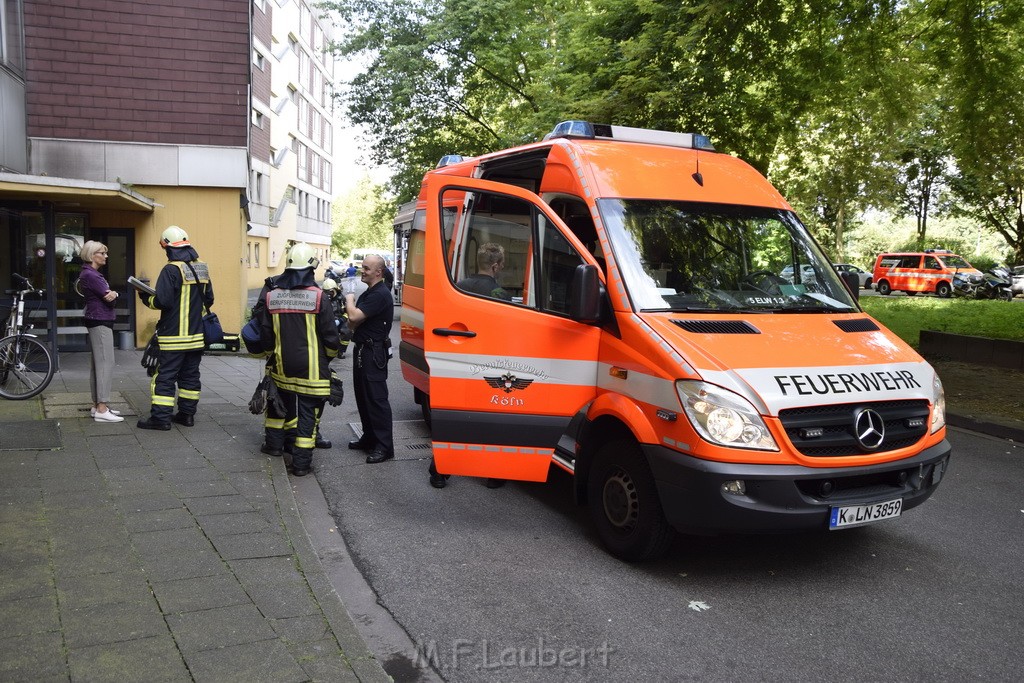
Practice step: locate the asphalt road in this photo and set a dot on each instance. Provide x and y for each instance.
(511, 584)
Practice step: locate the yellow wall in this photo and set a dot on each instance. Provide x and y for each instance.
(216, 229)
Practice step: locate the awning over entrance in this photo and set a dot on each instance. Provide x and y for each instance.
(71, 193)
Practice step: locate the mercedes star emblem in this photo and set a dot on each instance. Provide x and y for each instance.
(869, 428)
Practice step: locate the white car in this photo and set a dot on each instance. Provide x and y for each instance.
(807, 273)
(1017, 280)
(863, 276)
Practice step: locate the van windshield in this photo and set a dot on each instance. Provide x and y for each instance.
(954, 261)
(686, 256)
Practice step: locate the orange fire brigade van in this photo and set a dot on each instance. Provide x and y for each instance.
(931, 270)
(605, 301)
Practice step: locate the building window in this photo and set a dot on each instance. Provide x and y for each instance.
(248, 254)
(314, 169)
(258, 189)
(257, 119)
(12, 37)
(257, 250)
(303, 116)
(302, 156)
(259, 61)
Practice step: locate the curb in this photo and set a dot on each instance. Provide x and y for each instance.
(991, 426)
(362, 661)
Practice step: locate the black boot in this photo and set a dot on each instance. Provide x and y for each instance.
(150, 423)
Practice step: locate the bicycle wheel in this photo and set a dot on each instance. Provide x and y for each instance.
(26, 367)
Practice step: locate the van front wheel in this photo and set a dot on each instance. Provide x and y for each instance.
(883, 287)
(943, 290)
(624, 505)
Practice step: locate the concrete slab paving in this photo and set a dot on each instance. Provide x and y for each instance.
(161, 556)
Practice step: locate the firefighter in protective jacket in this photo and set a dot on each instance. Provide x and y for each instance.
(184, 294)
(297, 329)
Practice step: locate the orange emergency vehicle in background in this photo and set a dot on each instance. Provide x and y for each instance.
(640, 340)
(931, 270)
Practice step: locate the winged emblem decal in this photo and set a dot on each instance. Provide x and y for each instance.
(508, 382)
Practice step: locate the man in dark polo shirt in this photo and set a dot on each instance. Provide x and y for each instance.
(370, 318)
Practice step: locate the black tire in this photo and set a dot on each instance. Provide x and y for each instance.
(26, 367)
(943, 290)
(883, 288)
(624, 504)
(424, 401)
(867, 284)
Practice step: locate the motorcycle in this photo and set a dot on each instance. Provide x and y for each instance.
(1002, 282)
(996, 284)
(965, 286)
(989, 285)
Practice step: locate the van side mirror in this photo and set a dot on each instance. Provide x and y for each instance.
(585, 295)
(852, 283)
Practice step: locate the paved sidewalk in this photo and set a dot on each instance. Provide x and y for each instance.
(132, 555)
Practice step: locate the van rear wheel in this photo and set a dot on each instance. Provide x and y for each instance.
(624, 505)
(424, 400)
(943, 290)
(883, 288)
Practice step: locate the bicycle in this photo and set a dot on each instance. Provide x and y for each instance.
(26, 364)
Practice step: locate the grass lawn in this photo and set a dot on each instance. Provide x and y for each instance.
(907, 316)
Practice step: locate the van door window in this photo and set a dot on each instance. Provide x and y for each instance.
(492, 252)
(932, 263)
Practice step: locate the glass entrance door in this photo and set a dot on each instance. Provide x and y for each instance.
(68, 239)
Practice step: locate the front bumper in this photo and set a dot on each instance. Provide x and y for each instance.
(783, 497)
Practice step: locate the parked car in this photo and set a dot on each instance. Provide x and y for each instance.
(862, 275)
(806, 273)
(1017, 284)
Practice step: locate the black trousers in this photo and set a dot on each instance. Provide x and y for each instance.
(370, 383)
(295, 427)
(177, 373)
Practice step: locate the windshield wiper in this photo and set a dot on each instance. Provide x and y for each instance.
(814, 309)
(686, 309)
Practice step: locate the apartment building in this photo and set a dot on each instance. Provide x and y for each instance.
(120, 118)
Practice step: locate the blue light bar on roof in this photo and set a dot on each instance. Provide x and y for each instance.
(583, 129)
(449, 159)
(572, 129)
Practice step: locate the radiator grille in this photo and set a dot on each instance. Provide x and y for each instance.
(906, 422)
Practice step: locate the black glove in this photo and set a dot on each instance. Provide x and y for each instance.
(151, 356)
(258, 402)
(273, 397)
(337, 390)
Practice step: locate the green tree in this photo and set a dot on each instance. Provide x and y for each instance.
(847, 106)
(442, 77)
(981, 44)
(362, 218)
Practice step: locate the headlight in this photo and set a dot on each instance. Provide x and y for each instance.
(724, 417)
(939, 406)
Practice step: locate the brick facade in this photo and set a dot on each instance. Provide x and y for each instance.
(139, 70)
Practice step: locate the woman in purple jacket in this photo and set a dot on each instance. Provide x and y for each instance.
(99, 321)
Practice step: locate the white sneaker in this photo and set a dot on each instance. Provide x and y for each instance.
(92, 411)
(109, 416)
